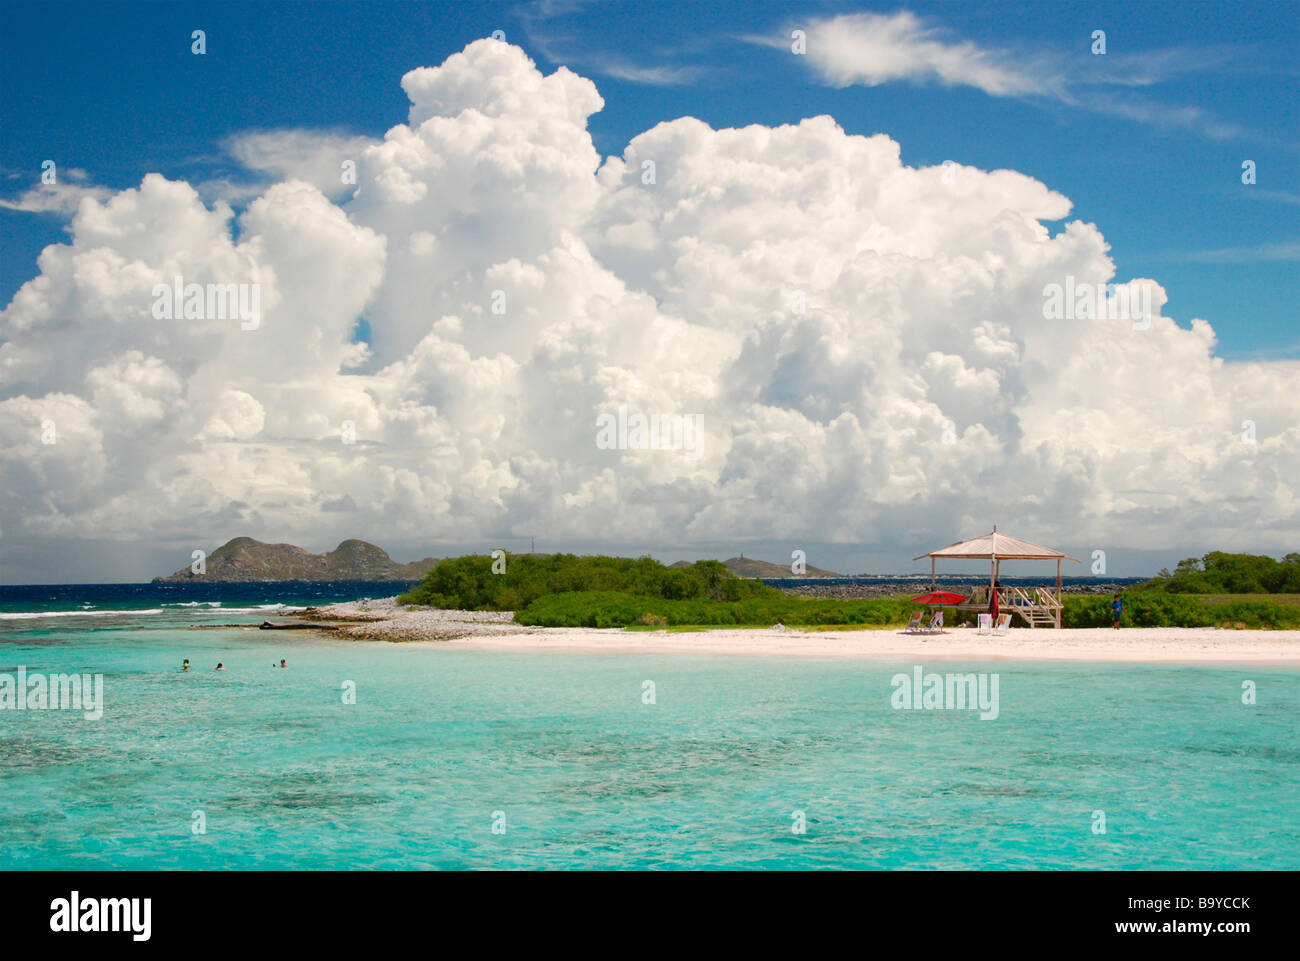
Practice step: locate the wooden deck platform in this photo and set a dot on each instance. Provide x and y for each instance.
(1036, 606)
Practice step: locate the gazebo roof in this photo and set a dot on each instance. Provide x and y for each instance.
(1001, 546)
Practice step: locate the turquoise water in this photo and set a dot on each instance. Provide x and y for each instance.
(587, 776)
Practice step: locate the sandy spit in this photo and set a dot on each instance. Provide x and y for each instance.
(385, 620)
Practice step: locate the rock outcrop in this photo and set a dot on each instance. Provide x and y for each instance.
(245, 560)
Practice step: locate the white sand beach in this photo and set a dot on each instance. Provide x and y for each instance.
(469, 630)
(1161, 645)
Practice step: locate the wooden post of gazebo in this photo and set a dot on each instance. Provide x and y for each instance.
(993, 568)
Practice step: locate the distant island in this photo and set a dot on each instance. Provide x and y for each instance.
(245, 560)
(749, 567)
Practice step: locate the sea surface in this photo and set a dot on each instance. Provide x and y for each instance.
(480, 759)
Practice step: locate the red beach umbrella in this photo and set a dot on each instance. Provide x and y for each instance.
(939, 598)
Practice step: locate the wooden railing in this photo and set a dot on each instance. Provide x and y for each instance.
(1012, 596)
(1036, 605)
(1016, 597)
(1026, 598)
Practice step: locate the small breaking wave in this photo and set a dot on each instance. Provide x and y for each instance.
(30, 615)
(199, 608)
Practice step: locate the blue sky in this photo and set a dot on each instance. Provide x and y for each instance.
(113, 90)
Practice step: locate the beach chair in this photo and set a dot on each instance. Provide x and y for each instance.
(1003, 624)
(986, 623)
(936, 622)
(914, 624)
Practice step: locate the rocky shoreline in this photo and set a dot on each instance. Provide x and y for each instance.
(383, 619)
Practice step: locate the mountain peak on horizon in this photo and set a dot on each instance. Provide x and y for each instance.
(245, 559)
(743, 566)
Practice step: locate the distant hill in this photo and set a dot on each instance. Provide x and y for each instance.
(749, 567)
(245, 559)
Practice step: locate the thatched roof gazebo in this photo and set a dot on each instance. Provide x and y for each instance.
(1041, 608)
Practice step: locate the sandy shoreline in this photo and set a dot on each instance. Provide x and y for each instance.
(383, 620)
(1152, 645)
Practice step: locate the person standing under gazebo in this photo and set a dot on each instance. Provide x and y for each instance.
(993, 601)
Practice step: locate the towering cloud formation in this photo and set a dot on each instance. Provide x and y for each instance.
(864, 343)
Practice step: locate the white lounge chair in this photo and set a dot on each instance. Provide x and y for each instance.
(1003, 624)
(914, 624)
(936, 622)
(986, 623)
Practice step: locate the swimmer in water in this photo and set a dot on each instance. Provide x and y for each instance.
(283, 662)
(219, 667)
(186, 666)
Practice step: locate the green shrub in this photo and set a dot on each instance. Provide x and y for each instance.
(1222, 573)
(1157, 608)
(467, 583)
(611, 609)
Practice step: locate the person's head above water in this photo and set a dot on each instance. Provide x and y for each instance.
(219, 666)
(283, 662)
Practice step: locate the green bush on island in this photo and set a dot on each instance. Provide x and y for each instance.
(565, 590)
(611, 609)
(469, 584)
(1157, 608)
(1222, 573)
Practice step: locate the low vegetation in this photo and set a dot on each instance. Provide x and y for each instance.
(1221, 573)
(610, 609)
(565, 590)
(473, 583)
(1157, 608)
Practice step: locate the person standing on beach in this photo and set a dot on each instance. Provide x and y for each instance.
(1116, 610)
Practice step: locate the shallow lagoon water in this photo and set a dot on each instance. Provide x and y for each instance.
(587, 775)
